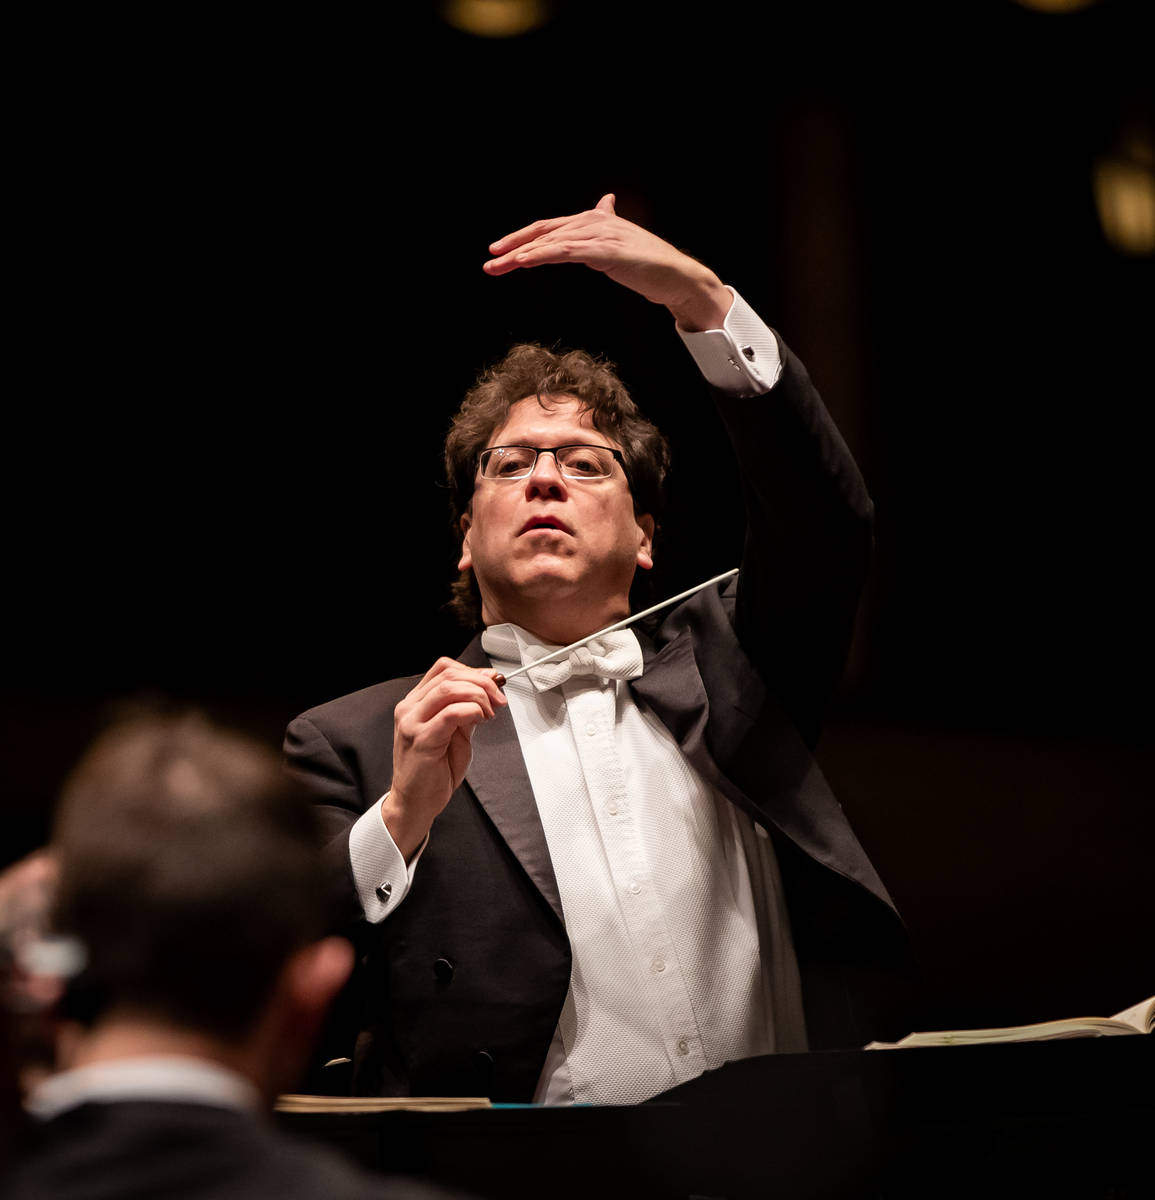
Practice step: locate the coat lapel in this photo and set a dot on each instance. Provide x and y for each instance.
(498, 778)
(737, 739)
(672, 686)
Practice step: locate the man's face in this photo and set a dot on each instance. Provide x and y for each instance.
(546, 540)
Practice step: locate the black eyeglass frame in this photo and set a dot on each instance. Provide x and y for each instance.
(538, 451)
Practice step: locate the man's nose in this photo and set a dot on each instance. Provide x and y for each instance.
(546, 478)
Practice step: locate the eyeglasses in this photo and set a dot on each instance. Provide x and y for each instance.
(574, 462)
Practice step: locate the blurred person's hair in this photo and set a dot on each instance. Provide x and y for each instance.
(189, 871)
(531, 370)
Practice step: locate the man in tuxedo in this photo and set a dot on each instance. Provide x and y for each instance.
(624, 868)
(188, 874)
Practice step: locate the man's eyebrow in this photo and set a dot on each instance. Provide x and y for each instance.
(559, 446)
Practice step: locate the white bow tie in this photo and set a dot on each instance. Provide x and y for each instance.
(612, 656)
(615, 655)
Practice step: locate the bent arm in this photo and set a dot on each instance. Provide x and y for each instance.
(370, 874)
(380, 766)
(340, 804)
(809, 518)
(808, 543)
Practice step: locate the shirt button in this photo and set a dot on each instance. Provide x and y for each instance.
(659, 965)
(635, 887)
(683, 1046)
(612, 809)
(591, 728)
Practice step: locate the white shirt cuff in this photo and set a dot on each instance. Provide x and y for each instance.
(379, 868)
(742, 357)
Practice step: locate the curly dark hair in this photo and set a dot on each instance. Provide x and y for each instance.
(527, 370)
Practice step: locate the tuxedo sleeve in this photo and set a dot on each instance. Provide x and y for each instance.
(808, 516)
(808, 541)
(314, 763)
(354, 835)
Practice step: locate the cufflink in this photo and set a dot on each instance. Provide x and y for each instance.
(748, 351)
(384, 892)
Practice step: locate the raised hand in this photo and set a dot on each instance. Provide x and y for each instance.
(627, 253)
(432, 727)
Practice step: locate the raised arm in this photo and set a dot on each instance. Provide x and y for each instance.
(809, 518)
(808, 544)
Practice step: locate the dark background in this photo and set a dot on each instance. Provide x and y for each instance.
(249, 296)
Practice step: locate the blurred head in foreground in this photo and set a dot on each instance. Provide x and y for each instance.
(189, 873)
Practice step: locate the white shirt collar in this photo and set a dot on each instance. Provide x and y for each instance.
(511, 645)
(149, 1077)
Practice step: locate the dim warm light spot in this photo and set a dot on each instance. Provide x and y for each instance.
(1125, 200)
(1056, 6)
(496, 18)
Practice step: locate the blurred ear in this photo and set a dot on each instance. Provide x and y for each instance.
(466, 560)
(290, 1026)
(313, 976)
(646, 541)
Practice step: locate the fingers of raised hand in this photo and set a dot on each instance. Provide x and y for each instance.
(591, 247)
(527, 233)
(578, 238)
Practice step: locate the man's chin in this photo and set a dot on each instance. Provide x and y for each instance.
(550, 580)
(538, 589)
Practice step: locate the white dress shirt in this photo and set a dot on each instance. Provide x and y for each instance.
(670, 975)
(672, 901)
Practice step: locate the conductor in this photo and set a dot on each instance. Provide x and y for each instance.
(625, 867)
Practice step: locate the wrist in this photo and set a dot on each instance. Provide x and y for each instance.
(407, 830)
(704, 306)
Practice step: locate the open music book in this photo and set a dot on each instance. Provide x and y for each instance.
(295, 1103)
(1139, 1018)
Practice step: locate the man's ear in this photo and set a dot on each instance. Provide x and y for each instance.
(314, 975)
(466, 560)
(295, 1011)
(646, 541)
